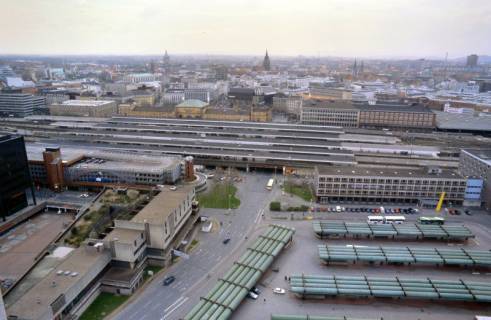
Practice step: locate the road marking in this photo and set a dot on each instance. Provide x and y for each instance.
(168, 312)
(258, 215)
(175, 302)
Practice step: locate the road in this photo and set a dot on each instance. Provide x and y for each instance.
(195, 276)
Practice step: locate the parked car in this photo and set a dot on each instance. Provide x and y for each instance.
(467, 212)
(255, 290)
(173, 188)
(252, 295)
(279, 291)
(168, 280)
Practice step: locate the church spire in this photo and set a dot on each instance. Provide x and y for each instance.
(266, 62)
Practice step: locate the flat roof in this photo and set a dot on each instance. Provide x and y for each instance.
(460, 121)
(37, 301)
(394, 108)
(85, 103)
(162, 205)
(386, 172)
(123, 235)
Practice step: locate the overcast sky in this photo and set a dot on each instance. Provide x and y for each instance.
(362, 28)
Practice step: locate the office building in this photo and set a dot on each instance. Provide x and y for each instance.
(20, 104)
(329, 93)
(384, 185)
(477, 163)
(396, 116)
(221, 72)
(14, 176)
(330, 113)
(84, 108)
(140, 77)
(472, 61)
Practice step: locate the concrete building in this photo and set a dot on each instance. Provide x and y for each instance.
(57, 168)
(20, 104)
(84, 108)
(383, 185)
(477, 163)
(472, 61)
(154, 227)
(329, 93)
(330, 113)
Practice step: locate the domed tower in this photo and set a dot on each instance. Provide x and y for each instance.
(266, 62)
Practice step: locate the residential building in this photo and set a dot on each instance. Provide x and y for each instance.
(84, 108)
(15, 177)
(20, 104)
(385, 185)
(477, 163)
(330, 113)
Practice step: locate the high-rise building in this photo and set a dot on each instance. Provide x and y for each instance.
(166, 60)
(20, 104)
(266, 62)
(15, 178)
(472, 60)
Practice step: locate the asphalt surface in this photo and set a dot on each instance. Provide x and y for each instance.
(207, 262)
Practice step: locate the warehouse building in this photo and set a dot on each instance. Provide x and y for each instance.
(369, 185)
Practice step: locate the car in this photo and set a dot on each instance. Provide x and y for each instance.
(168, 280)
(252, 295)
(209, 176)
(467, 212)
(222, 178)
(279, 290)
(173, 188)
(84, 195)
(226, 241)
(457, 212)
(255, 290)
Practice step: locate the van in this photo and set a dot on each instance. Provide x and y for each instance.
(338, 209)
(382, 210)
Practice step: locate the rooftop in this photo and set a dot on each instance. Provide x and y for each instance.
(162, 205)
(384, 172)
(36, 303)
(192, 103)
(459, 121)
(86, 103)
(393, 107)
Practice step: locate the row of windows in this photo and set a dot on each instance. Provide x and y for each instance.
(394, 181)
(388, 193)
(393, 187)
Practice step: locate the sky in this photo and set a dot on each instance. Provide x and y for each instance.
(350, 28)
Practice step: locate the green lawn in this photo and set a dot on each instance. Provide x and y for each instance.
(218, 197)
(155, 269)
(102, 306)
(303, 191)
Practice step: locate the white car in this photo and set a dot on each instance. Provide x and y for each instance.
(173, 188)
(279, 290)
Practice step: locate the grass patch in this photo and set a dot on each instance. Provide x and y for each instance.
(193, 244)
(102, 306)
(155, 269)
(275, 206)
(219, 197)
(303, 191)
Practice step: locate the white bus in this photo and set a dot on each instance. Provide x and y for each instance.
(386, 219)
(269, 186)
(395, 219)
(375, 219)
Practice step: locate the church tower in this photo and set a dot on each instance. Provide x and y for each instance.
(266, 62)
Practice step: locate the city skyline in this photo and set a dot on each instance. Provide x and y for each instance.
(381, 29)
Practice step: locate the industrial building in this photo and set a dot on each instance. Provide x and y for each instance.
(76, 167)
(330, 113)
(16, 179)
(384, 185)
(397, 116)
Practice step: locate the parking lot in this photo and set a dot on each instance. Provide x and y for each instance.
(303, 257)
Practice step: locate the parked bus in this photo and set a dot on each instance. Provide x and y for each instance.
(431, 220)
(395, 219)
(386, 219)
(269, 186)
(375, 219)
